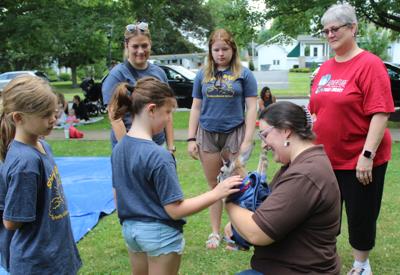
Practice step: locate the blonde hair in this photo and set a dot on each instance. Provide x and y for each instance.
(210, 68)
(132, 99)
(24, 94)
(137, 32)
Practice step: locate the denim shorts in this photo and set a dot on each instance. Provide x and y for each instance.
(153, 238)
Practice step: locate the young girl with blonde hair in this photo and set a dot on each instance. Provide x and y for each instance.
(223, 114)
(34, 205)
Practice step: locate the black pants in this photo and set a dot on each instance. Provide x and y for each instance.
(362, 204)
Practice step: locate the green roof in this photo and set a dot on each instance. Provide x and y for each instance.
(295, 52)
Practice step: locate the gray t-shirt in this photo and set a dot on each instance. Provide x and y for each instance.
(121, 73)
(302, 215)
(44, 243)
(145, 179)
(223, 101)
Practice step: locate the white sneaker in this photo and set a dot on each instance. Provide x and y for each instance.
(359, 271)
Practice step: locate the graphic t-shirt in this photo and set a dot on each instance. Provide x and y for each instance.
(223, 99)
(345, 96)
(121, 73)
(44, 243)
(145, 179)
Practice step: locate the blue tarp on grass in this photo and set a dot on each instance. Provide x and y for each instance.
(88, 189)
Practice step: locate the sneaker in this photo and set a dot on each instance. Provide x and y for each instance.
(359, 271)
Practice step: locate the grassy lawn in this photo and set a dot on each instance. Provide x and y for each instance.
(103, 250)
(66, 88)
(299, 85)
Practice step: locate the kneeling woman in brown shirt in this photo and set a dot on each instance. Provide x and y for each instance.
(294, 230)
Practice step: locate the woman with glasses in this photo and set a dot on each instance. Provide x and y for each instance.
(136, 66)
(223, 114)
(294, 230)
(351, 100)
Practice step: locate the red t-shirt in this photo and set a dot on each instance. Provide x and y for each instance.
(344, 98)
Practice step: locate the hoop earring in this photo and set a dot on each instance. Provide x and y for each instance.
(286, 143)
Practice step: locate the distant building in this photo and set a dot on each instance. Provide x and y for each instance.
(283, 52)
(191, 61)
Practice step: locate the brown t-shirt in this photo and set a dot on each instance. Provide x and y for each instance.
(302, 215)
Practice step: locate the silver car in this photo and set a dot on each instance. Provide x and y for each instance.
(8, 76)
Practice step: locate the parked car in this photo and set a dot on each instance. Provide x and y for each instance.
(8, 76)
(181, 81)
(394, 74)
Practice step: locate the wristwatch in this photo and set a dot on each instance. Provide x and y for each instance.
(368, 154)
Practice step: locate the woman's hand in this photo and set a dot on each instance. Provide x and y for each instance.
(364, 169)
(193, 149)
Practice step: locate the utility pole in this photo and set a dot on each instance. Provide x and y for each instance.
(109, 36)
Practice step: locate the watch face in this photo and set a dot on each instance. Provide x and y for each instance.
(367, 154)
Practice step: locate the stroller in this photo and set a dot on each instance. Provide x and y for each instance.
(93, 98)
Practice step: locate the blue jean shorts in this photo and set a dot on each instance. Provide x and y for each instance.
(153, 238)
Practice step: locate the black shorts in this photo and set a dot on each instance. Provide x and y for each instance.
(362, 204)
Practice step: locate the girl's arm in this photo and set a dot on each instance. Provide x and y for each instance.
(260, 104)
(9, 225)
(251, 117)
(169, 136)
(244, 224)
(183, 208)
(193, 124)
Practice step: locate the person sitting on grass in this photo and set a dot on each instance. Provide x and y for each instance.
(80, 108)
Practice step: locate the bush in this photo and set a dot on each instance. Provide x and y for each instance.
(300, 70)
(52, 75)
(65, 77)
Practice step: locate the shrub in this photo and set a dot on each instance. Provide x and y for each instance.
(65, 77)
(300, 70)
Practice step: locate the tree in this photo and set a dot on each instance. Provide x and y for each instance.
(376, 41)
(298, 16)
(236, 17)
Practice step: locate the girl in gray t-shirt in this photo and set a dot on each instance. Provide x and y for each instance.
(150, 202)
(34, 203)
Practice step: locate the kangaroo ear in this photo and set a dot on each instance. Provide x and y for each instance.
(244, 156)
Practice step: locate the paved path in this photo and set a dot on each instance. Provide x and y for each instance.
(179, 135)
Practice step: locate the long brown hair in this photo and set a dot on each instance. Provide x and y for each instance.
(24, 94)
(210, 67)
(132, 99)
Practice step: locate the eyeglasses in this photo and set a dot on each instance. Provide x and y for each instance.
(142, 26)
(333, 30)
(263, 134)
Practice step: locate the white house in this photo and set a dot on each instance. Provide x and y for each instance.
(282, 52)
(272, 55)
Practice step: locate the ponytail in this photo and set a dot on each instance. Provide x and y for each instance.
(7, 132)
(121, 100)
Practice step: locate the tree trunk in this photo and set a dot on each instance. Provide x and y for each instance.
(74, 77)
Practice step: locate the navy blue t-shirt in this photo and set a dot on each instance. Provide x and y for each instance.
(145, 180)
(121, 73)
(223, 101)
(44, 243)
(5, 235)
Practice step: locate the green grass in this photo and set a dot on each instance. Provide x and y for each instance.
(65, 87)
(299, 85)
(103, 250)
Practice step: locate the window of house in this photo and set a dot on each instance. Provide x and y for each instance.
(315, 52)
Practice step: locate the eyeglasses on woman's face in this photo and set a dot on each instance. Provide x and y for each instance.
(142, 26)
(333, 30)
(264, 133)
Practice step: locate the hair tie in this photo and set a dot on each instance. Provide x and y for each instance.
(309, 120)
(129, 90)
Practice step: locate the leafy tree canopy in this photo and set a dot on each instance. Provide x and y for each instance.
(298, 16)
